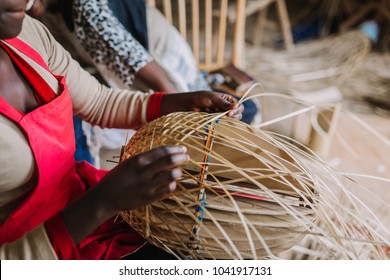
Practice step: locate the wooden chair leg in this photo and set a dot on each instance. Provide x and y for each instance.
(259, 27)
(285, 24)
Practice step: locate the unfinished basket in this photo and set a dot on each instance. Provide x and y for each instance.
(242, 196)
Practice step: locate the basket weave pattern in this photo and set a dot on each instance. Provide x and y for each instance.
(242, 195)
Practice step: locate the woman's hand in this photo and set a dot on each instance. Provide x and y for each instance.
(144, 178)
(201, 101)
(134, 183)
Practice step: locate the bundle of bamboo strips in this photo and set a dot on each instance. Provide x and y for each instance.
(311, 65)
(371, 82)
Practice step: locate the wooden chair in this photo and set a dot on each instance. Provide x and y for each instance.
(215, 40)
(284, 20)
(260, 8)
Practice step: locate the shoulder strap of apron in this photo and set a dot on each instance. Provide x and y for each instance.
(45, 85)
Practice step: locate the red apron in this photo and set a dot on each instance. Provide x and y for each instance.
(49, 131)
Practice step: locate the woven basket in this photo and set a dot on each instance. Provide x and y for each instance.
(242, 196)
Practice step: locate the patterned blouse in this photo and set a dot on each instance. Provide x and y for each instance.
(107, 41)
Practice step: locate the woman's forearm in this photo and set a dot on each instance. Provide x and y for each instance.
(154, 77)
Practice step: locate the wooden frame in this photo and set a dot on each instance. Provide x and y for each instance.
(261, 7)
(208, 20)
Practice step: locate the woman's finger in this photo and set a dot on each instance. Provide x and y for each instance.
(225, 101)
(237, 113)
(166, 163)
(166, 177)
(164, 191)
(148, 157)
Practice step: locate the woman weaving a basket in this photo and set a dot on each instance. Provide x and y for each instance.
(47, 209)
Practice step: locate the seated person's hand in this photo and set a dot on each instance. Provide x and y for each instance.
(201, 101)
(144, 178)
(134, 183)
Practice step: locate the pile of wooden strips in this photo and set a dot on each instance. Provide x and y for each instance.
(310, 65)
(371, 82)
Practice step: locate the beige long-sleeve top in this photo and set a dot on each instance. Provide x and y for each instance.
(92, 101)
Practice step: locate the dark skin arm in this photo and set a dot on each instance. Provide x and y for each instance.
(201, 101)
(154, 77)
(133, 184)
